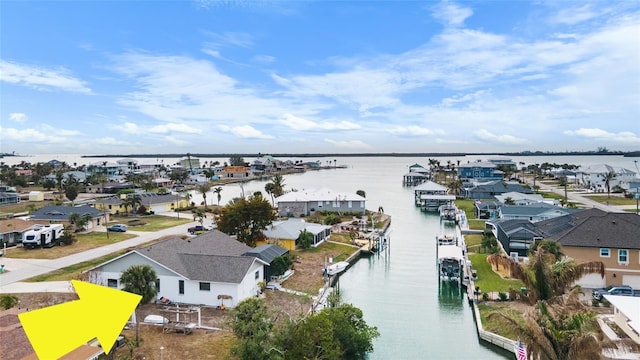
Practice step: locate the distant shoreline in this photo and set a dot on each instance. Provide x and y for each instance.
(312, 155)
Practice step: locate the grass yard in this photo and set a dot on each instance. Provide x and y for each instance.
(551, 195)
(496, 324)
(151, 222)
(613, 200)
(83, 242)
(473, 242)
(488, 280)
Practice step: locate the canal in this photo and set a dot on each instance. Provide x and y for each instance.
(398, 292)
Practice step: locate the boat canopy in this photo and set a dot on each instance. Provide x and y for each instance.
(437, 197)
(450, 252)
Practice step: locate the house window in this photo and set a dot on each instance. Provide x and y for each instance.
(158, 285)
(181, 287)
(604, 253)
(112, 283)
(623, 256)
(205, 286)
(257, 274)
(319, 203)
(349, 204)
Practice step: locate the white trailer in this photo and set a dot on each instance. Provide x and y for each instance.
(42, 235)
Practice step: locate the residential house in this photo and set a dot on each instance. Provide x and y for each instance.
(487, 209)
(189, 163)
(306, 202)
(11, 230)
(515, 236)
(263, 165)
(593, 177)
(596, 235)
(59, 214)
(533, 212)
(626, 314)
(236, 172)
(523, 199)
(285, 233)
(417, 175)
(479, 171)
(9, 198)
(209, 269)
(158, 203)
(503, 162)
(267, 253)
(490, 189)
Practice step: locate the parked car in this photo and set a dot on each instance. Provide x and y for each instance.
(117, 228)
(621, 290)
(194, 229)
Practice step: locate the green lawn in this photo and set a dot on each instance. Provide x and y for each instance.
(473, 242)
(83, 242)
(551, 195)
(73, 272)
(344, 251)
(152, 222)
(613, 200)
(496, 324)
(488, 280)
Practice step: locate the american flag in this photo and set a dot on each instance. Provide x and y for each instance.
(521, 351)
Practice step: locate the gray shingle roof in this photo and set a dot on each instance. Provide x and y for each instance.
(61, 213)
(594, 228)
(267, 252)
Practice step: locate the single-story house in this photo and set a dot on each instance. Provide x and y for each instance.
(209, 269)
(596, 235)
(306, 202)
(285, 233)
(9, 198)
(490, 189)
(626, 314)
(515, 236)
(520, 198)
(155, 202)
(59, 214)
(533, 212)
(267, 253)
(11, 230)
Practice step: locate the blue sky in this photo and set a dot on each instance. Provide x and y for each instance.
(138, 77)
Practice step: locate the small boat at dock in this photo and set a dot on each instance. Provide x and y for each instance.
(336, 268)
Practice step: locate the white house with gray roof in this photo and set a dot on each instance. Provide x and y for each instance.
(198, 270)
(593, 177)
(307, 201)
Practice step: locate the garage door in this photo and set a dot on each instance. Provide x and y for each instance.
(631, 280)
(591, 281)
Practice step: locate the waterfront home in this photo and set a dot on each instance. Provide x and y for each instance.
(594, 177)
(9, 198)
(503, 161)
(523, 199)
(515, 236)
(307, 201)
(479, 171)
(204, 270)
(267, 253)
(429, 196)
(596, 235)
(236, 172)
(11, 230)
(487, 209)
(417, 175)
(626, 314)
(285, 233)
(158, 203)
(189, 163)
(59, 214)
(263, 165)
(490, 189)
(532, 212)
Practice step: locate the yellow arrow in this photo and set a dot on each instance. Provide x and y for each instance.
(100, 313)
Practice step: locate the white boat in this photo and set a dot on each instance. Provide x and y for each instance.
(336, 268)
(450, 262)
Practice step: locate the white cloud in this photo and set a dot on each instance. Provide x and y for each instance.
(485, 135)
(300, 124)
(352, 144)
(245, 132)
(572, 15)
(414, 130)
(450, 13)
(173, 127)
(129, 128)
(41, 78)
(32, 136)
(603, 135)
(18, 117)
(175, 141)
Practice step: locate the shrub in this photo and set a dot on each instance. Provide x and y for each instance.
(605, 303)
(502, 296)
(595, 302)
(8, 301)
(485, 296)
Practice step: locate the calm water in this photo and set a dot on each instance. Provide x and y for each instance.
(398, 293)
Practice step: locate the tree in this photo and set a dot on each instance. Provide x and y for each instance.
(217, 191)
(49, 184)
(276, 186)
(509, 201)
(71, 188)
(607, 181)
(252, 325)
(559, 328)
(489, 243)
(544, 276)
(305, 239)
(246, 218)
(132, 201)
(204, 189)
(141, 280)
(281, 264)
(236, 161)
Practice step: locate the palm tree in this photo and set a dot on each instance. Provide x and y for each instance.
(278, 185)
(204, 189)
(559, 328)
(545, 276)
(217, 191)
(607, 181)
(141, 280)
(269, 187)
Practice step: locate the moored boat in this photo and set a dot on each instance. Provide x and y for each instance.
(336, 268)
